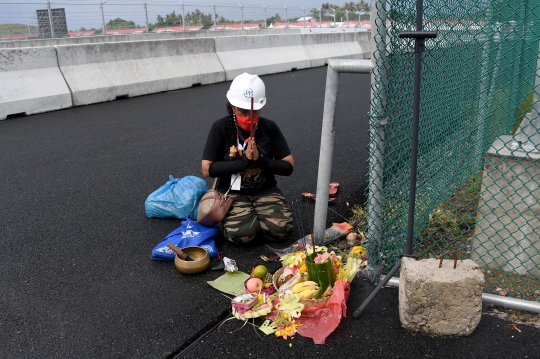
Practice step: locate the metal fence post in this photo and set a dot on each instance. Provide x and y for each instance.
(214, 6)
(146, 14)
(335, 67)
(103, 18)
(264, 6)
(50, 18)
(486, 87)
(183, 19)
(376, 161)
(241, 15)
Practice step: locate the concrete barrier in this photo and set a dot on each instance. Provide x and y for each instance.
(261, 55)
(321, 47)
(31, 82)
(364, 39)
(104, 72)
(142, 37)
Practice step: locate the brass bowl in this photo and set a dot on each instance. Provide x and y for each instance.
(200, 262)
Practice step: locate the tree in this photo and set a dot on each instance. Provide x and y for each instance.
(120, 24)
(274, 19)
(350, 6)
(362, 6)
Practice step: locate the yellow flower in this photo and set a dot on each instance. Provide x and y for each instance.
(278, 333)
(358, 251)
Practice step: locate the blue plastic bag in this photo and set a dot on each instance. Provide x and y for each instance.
(190, 233)
(178, 198)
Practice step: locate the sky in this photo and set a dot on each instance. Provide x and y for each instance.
(87, 13)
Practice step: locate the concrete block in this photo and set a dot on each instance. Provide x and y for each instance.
(31, 82)
(323, 46)
(507, 233)
(440, 301)
(366, 43)
(261, 54)
(103, 72)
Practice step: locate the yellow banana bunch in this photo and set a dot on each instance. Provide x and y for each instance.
(302, 286)
(308, 293)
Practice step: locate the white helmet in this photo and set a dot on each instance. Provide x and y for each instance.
(243, 88)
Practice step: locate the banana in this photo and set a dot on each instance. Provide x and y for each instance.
(308, 293)
(300, 287)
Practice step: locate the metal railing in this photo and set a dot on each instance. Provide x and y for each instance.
(30, 19)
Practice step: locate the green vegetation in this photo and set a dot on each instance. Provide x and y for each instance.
(16, 29)
(121, 24)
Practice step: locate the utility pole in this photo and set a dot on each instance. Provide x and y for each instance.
(334, 10)
(242, 15)
(264, 6)
(320, 18)
(286, 17)
(304, 17)
(50, 18)
(146, 13)
(347, 13)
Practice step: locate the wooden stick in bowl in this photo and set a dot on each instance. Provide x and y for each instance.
(179, 252)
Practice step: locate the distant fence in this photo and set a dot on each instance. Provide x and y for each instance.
(58, 18)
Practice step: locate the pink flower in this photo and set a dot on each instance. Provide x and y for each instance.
(321, 258)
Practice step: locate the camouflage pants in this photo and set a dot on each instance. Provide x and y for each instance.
(267, 213)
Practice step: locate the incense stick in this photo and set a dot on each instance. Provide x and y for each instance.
(251, 120)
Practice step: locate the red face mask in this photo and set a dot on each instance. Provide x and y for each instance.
(245, 122)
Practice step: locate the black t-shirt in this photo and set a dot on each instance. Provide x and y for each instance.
(221, 145)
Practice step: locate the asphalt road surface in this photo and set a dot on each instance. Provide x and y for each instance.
(76, 279)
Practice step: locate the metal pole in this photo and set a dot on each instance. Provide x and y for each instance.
(377, 134)
(50, 18)
(334, 10)
(146, 13)
(492, 299)
(242, 15)
(486, 85)
(419, 37)
(304, 17)
(264, 6)
(27, 22)
(214, 6)
(347, 13)
(183, 18)
(103, 18)
(320, 18)
(327, 138)
(286, 17)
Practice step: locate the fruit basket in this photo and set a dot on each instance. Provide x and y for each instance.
(306, 302)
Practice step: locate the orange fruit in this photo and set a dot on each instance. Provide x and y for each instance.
(260, 272)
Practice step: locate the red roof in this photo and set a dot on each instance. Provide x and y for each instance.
(126, 31)
(176, 28)
(81, 33)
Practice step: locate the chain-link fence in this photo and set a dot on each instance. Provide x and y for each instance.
(28, 19)
(478, 173)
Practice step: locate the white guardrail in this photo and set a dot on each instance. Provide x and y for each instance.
(40, 79)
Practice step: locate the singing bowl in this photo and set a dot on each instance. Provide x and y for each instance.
(200, 262)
